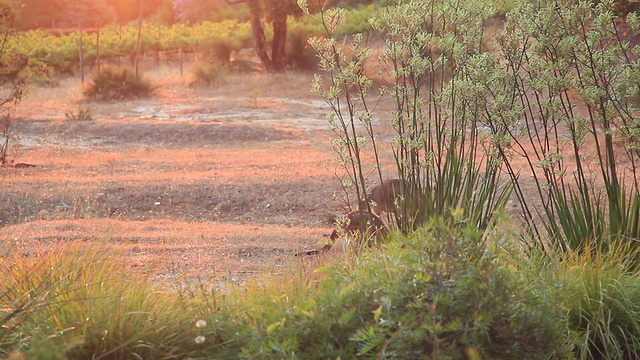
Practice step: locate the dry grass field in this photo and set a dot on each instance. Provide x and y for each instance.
(220, 181)
(215, 182)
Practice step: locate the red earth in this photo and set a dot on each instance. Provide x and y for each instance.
(212, 181)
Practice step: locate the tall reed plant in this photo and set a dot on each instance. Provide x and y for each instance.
(439, 154)
(560, 96)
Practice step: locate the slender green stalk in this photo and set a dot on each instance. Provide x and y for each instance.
(436, 147)
(559, 86)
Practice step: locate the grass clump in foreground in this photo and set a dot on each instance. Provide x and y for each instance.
(111, 83)
(79, 303)
(599, 291)
(441, 293)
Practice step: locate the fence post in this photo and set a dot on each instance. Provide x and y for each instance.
(138, 44)
(98, 48)
(81, 56)
(158, 45)
(180, 59)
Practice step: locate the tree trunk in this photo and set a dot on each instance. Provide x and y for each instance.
(279, 42)
(279, 12)
(257, 33)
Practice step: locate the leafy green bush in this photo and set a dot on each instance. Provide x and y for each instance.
(110, 83)
(437, 294)
(443, 293)
(300, 55)
(359, 17)
(217, 50)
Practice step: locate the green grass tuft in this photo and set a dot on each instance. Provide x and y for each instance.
(83, 113)
(599, 291)
(81, 302)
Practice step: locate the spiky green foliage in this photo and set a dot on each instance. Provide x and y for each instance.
(207, 74)
(83, 113)
(439, 153)
(559, 92)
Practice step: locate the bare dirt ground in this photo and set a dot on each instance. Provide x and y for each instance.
(221, 181)
(214, 182)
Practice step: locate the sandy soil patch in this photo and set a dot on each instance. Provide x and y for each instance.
(199, 182)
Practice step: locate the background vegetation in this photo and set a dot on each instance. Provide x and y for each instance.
(54, 30)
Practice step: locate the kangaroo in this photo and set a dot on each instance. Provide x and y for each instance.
(386, 197)
(354, 222)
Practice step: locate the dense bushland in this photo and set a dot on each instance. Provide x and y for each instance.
(557, 87)
(445, 291)
(440, 293)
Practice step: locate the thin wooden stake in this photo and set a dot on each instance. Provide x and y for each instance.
(81, 56)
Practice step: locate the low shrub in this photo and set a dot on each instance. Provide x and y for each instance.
(300, 55)
(110, 83)
(443, 293)
(83, 113)
(440, 294)
(206, 74)
(218, 50)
